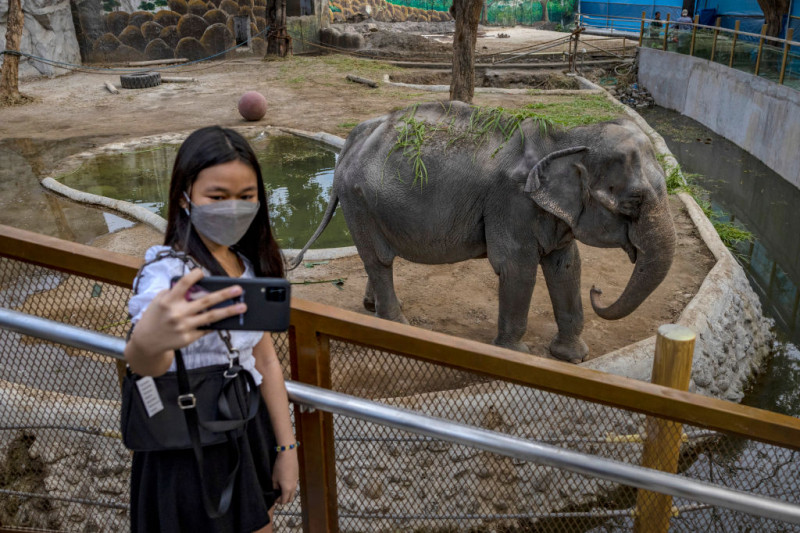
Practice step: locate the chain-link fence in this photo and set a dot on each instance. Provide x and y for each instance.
(389, 480)
(63, 467)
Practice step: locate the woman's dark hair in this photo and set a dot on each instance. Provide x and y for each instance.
(206, 148)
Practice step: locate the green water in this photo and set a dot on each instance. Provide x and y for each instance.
(298, 174)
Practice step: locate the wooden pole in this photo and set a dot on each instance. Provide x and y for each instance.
(9, 72)
(714, 43)
(694, 34)
(666, 32)
(760, 48)
(672, 367)
(786, 47)
(641, 30)
(733, 44)
(310, 357)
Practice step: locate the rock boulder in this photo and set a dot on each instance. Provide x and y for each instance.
(48, 32)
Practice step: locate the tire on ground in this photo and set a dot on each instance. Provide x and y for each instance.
(140, 80)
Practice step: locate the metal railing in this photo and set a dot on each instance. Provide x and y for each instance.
(420, 424)
(756, 53)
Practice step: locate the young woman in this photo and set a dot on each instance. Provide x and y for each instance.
(217, 215)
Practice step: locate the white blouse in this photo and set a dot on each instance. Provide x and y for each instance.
(209, 349)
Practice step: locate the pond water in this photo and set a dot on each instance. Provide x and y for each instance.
(298, 174)
(759, 200)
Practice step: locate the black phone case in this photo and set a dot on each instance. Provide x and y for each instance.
(267, 299)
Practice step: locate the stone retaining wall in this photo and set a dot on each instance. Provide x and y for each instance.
(758, 115)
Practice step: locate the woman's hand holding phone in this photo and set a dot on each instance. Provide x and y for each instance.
(171, 322)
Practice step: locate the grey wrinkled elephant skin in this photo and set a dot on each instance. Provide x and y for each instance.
(520, 202)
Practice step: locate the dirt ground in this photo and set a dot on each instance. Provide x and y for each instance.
(312, 94)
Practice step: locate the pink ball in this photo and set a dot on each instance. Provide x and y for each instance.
(252, 105)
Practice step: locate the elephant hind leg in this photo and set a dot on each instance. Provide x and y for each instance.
(369, 298)
(386, 304)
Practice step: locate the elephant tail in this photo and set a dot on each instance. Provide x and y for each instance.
(334, 201)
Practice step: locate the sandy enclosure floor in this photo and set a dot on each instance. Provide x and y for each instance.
(312, 94)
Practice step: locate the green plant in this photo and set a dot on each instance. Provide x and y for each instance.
(677, 181)
(151, 6)
(347, 125)
(110, 5)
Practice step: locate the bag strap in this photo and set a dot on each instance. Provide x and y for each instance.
(187, 402)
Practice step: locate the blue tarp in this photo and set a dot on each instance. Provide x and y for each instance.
(604, 14)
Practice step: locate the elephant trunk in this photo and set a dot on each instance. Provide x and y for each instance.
(653, 236)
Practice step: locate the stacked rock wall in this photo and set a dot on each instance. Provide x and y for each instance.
(48, 32)
(191, 30)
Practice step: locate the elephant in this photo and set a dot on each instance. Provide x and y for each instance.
(422, 184)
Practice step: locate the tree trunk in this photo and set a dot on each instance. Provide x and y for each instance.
(467, 13)
(9, 73)
(773, 15)
(279, 42)
(545, 18)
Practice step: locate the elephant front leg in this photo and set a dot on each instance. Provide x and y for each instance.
(562, 272)
(516, 289)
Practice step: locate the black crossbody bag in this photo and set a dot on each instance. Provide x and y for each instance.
(201, 407)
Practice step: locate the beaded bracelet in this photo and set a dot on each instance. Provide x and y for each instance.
(286, 448)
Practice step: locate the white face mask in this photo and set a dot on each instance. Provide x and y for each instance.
(224, 222)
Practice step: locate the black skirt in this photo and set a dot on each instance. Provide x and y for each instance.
(165, 486)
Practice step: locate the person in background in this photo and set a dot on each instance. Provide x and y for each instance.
(685, 21)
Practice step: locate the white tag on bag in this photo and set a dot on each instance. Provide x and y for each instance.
(149, 393)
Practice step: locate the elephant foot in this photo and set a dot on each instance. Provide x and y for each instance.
(573, 350)
(399, 318)
(518, 346)
(369, 305)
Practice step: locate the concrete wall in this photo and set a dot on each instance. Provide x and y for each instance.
(760, 116)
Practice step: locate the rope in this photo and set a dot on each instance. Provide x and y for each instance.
(85, 68)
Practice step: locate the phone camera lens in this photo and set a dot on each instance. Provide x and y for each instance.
(276, 294)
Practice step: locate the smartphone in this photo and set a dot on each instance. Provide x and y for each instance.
(267, 302)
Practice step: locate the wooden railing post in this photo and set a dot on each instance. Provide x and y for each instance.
(786, 47)
(666, 32)
(733, 44)
(672, 367)
(694, 34)
(714, 42)
(760, 48)
(310, 356)
(641, 30)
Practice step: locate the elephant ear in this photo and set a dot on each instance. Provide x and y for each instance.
(558, 188)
